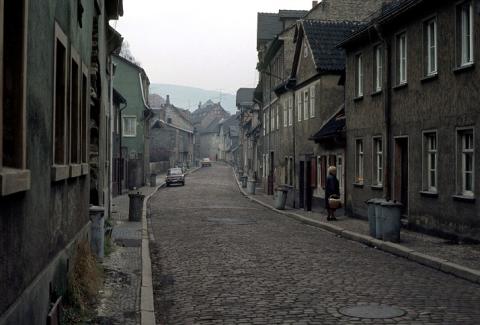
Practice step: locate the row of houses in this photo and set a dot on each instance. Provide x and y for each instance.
(384, 90)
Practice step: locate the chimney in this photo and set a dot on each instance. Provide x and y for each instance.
(314, 3)
(168, 100)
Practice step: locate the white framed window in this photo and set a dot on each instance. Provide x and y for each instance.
(402, 58)
(465, 33)
(467, 161)
(264, 123)
(378, 161)
(129, 126)
(285, 113)
(272, 118)
(359, 161)
(299, 106)
(277, 112)
(431, 46)
(378, 71)
(290, 110)
(312, 101)
(359, 75)
(431, 159)
(305, 104)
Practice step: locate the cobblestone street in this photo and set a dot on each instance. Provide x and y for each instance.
(220, 259)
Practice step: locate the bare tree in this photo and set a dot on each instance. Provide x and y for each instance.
(126, 53)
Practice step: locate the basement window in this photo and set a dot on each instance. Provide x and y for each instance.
(14, 177)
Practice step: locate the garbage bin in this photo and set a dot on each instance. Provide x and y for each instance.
(251, 184)
(281, 197)
(378, 218)
(392, 212)
(372, 222)
(97, 243)
(244, 181)
(135, 207)
(153, 180)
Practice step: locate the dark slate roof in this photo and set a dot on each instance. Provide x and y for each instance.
(212, 127)
(245, 96)
(292, 14)
(118, 98)
(234, 131)
(268, 26)
(323, 37)
(334, 127)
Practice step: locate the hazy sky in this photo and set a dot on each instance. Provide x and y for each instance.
(209, 44)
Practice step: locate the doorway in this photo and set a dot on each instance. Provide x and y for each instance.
(401, 173)
(308, 185)
(301, 185)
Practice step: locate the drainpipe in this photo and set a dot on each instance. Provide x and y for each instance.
(387, 107)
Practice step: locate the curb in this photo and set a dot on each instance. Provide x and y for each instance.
(147, 306)
(436, 263)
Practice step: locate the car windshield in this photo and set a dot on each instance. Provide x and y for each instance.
(175, 171)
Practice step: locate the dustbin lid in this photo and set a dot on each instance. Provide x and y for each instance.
(372, 201)
(96, 209)
(391, 204)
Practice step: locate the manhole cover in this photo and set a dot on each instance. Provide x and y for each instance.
(231, 221)
(372, 311)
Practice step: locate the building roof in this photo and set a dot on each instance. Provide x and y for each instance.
(334, 127)
(269, 25)
(245, 96)
(292, 14)
(234, 131)
(323, 38)
(118, 98)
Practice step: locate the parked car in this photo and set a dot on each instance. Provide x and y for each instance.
(206, 162)
(175, 176)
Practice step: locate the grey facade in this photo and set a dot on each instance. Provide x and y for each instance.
(426, 115)
(55, 152)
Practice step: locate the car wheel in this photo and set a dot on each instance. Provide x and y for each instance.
(183, 184)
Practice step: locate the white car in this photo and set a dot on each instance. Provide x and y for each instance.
(206, 162)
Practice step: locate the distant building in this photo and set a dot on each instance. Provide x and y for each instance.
(228, 139)
(132, 82)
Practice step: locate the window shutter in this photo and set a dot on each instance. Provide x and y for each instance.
(323, 170)
(313, 173)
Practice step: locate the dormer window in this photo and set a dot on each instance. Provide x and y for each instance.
(305, 49)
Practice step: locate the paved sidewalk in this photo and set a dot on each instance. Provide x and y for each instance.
(462, 260)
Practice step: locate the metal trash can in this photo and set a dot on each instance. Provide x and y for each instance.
(378, 218)
(153, 180)
(135, 207)
(244, 179)
(251, 185)
(97, 242)
(372, 221)
(281, 197)
(392, 213)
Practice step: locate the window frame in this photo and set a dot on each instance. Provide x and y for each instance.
(124, 124)
(74, 59)
(427, 161)
(377, 165)
(299, 105)
(462, 60)
(290, 110)
(277, 111)
(312, 101)
(285, 112)
(306, 103)
(378, 71)
(427, 23)
(461, 132)
(359, 162)
(359, 75)
(402, 73)
(85, 107)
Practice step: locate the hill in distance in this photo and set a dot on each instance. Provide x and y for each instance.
(189, 97)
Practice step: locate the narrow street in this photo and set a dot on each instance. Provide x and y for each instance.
(218, 258)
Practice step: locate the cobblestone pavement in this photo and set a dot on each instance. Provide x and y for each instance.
(219, 258)
(460, 253)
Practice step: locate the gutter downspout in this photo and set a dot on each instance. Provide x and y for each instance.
(120, 129)
(387, 114)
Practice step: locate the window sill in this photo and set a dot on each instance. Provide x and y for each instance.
(359, 185)
(463, 68)
(400, 86)
(60, 172)
(129, 136)
(464, 198)
(358, 98)
(14, 181)
(376, 93)
(75, 170)
(429, 194)
(377, 187)
(430, 77)
(85, 169)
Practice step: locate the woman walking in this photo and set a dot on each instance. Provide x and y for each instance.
(332, 188)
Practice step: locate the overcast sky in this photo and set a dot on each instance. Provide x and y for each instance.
(209, 44)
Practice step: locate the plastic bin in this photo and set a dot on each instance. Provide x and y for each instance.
(379, 218)
(392, 213)
(251, 185)
(244, 179)
(153, 180)
(97, 242)
(281, 197)
(135, 208)
(372, 221)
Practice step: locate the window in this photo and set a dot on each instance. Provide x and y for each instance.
(378, 71)
(286, 171)
(60, 99)
(430, 43)
(290, 110)
(305, 49)
(272, 118)
(285, 112)
(465, 33)
(129, 126)
(359, 161)
(467, 161)
(378, 161)
(312, 101)
(74, 111)
(84, 114)
(402, 58)
(299, 106)
(277, 110)
(264, 123)
(322, 170)
(290, 168)
(430, 147)
(358, 76)
(305, 105)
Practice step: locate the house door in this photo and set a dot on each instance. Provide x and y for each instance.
(308, 185)
(301, 185)
(401, 172)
